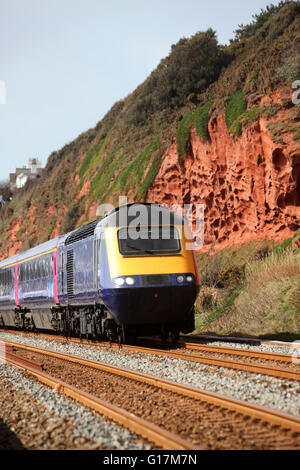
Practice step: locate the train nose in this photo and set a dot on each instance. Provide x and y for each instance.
(151, 304)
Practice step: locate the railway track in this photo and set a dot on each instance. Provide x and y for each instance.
(146, 429)
(258, 362)
(208, 356)
(199, 414)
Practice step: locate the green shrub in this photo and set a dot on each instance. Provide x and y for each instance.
(197, 118)
(261, 22)
(192, 65)
(234, 110)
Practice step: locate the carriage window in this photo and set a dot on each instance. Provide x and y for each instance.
(40, 263)
(46, 266)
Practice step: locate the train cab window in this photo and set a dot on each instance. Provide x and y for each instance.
(149, 241)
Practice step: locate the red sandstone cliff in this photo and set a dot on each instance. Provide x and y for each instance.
(250, 186)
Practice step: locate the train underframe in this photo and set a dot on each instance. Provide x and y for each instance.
(91, 322)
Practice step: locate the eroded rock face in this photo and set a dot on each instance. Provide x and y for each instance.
(250, 185)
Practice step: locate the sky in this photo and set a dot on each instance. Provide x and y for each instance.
(64, 63)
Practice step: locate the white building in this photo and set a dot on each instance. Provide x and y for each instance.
(22, 175)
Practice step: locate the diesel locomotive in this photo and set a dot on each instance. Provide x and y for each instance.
(124, 275)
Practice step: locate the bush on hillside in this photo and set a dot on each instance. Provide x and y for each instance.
(191, 67)
(261, 19)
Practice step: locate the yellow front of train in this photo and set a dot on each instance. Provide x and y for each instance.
(153, 278)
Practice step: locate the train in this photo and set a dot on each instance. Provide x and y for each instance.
(127, 274)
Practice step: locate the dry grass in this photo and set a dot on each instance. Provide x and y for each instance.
(275, 267)
(209, 299)
(270, 300)
(266, 300)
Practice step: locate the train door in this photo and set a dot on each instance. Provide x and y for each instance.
(98, 248)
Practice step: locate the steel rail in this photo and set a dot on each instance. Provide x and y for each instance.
(146, 429)
(238, 352)
(8, 354)
(254, 411)
(227, 363)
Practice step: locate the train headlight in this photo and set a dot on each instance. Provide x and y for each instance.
(119, 281)
(129, 281)
(180, 279)
(189, 278)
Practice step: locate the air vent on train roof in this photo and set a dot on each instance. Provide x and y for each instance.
(83, 232)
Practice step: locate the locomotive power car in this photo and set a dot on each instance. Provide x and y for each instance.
(111, 279)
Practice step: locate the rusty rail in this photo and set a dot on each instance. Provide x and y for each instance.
(228, 363)
(156, 434)
(238, 406)
(9, 355)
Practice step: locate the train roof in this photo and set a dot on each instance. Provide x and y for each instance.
(144, 213)
(149, 214)
(35, 251)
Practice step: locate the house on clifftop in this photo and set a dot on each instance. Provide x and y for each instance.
(22, 175)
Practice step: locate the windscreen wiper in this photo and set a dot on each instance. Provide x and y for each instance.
(149, 252)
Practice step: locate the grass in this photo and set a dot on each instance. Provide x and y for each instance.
(93, 155)
(117, 175)
(235, 108)
(149, 178)
(261, 296)
(278, 128)
(198, 118)
(101, 181)
(243, 120)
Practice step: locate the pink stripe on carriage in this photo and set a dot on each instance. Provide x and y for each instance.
(55, 277)
(16, 285)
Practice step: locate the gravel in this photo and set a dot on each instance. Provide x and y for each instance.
(56, 413)
(270, 392)
(286, 348)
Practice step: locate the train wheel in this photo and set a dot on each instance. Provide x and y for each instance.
(121, 334)
(175, 336)
(164, 333)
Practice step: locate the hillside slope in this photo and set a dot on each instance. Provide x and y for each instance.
(211, 124)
